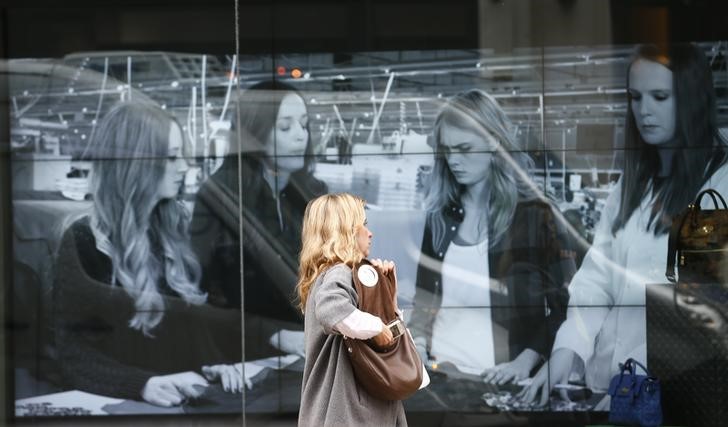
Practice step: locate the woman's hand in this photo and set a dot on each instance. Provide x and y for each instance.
(386, 266)
(513, 371)
(173, 389)
(389, 270)
(289, 341)
(385, 338)
(557, 369)
(229, 375)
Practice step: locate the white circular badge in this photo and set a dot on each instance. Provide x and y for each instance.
(367, 276)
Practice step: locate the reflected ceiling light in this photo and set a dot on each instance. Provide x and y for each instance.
(174, 83)
(70, 90)
(318, 116)
(306, 76)
(478, 65)
(26, 93)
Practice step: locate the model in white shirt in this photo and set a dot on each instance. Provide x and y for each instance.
(672, 151)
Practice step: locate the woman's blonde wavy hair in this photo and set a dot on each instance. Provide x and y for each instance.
(329, 237)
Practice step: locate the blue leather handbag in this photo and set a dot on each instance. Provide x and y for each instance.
(635, 399)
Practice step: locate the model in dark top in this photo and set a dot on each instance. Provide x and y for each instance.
(480, 197)
(130, 319)
(276, 172)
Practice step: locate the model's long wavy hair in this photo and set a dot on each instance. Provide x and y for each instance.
(145, 238)
(330, 225)
(478, 112)
(700, 148)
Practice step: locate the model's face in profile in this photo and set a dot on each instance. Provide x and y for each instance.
(175, 165)
(364, 239)
(468, 153)
(652, 101)
(289, 136)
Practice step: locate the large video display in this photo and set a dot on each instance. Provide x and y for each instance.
(526, 199)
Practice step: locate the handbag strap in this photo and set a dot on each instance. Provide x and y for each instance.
(713, 195)
(677, 226)
(634, 365)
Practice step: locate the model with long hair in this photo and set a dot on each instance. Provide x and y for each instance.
(272, 158)
(492, 251)
(672, 151)
(127, 295)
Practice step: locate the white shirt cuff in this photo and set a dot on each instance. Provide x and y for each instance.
(359, 325)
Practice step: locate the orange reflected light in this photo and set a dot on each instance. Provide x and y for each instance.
(296, 73)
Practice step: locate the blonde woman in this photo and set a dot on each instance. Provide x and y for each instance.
(127, 281)
(335, 238)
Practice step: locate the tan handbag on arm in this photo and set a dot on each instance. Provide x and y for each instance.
(392, 373)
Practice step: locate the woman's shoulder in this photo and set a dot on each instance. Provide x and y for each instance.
(80, 231)
(719, 180)
(308, 184)
(337, 272)
(79, 243)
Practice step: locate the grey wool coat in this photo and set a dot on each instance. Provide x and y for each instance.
(330, 395)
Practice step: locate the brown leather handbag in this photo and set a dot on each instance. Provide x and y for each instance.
(699, 242)
(392, 373)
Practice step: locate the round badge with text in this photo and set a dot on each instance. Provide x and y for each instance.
(367, 276)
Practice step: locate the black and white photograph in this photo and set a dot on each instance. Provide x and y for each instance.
(529, 198)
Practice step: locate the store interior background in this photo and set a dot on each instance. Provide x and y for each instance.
(570, 49)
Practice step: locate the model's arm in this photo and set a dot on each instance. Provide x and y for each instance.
(82, 365)
(593, 290)
(334, 306)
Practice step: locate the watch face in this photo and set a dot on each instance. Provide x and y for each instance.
(396, 329)
(367, 276)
